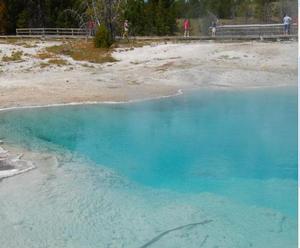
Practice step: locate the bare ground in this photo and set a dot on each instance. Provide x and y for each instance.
(145, 72)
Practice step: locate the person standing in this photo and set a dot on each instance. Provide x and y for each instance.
(287, 24)
(214, 29)
(91, 27)
(186, 27)
(126, 30)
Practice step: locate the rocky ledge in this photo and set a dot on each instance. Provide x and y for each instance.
(12, 164)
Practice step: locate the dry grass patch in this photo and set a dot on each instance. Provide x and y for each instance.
(20, 42)
(45, 55)
(58, 62)
(83, 51)
(44, 65)
(165, 66)
(26, 44)
(12, 41)
(87, 66)
(14, 57)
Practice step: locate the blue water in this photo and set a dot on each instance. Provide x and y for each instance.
(238, 144)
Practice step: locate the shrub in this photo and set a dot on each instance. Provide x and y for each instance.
(58, 62)
(102, 38)
(15, 56)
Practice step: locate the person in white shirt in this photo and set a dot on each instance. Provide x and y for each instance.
(126, 30)
(287, 24)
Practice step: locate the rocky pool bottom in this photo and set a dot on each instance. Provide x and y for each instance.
(70, 204)
(73, 199)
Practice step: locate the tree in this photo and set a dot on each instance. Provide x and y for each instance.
(245, 9)
(38, 13)
(264, 10)
(3, 17)
(289, 7)
(135, 13)
(102, 38)
(221, 8)
(106, 12)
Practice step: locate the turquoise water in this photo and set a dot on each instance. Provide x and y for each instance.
(240, 145)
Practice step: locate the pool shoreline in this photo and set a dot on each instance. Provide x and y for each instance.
(146, 73)
(179, 92)
(140, 100)
(13, 173)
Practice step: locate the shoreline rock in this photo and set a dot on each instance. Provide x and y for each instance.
(12, 165)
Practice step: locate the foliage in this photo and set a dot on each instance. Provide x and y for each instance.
(152, 17)
(15, 56)
(262, 10)
(3, 16)
(103, 37)
(146, 17)
(135, 12)
(58, 62)
(105, 12)
(37, 13)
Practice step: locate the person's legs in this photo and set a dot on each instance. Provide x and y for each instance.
(285, 29)
(126, 36)
(213, 32)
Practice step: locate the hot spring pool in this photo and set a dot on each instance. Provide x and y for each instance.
(226, 160)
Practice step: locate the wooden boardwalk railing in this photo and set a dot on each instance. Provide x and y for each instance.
(51, 32)
(260, 30)
(226, 32)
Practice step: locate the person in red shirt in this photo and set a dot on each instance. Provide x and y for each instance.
(91, 28)
(186, 27)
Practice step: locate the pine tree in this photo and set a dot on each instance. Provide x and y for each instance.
(3, 17)
(135, 14)
(264, 10)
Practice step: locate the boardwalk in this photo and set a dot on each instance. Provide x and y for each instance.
(161, 38)
(226, 32)
(260, 30)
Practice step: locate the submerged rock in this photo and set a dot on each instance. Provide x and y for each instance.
(5, 165)
(11, 165)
